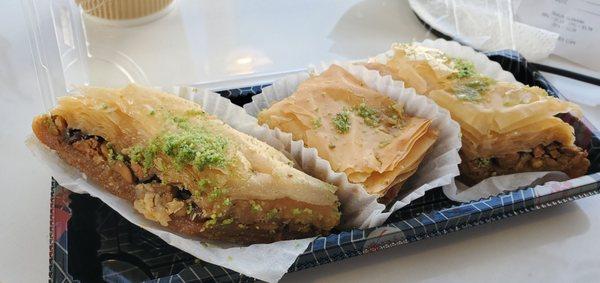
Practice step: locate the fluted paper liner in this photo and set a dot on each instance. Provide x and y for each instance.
(360, 209)
(268, 262)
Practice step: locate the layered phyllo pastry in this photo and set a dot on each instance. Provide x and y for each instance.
(506, 127)
(359, 131)
(185, 169)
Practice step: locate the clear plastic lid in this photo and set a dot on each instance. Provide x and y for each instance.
(225, 44)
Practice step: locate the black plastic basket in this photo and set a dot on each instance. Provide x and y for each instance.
(90, 242)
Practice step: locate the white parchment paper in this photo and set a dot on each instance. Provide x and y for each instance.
(268, 262)
(494, 186)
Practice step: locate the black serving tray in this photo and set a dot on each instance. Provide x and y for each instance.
(90, 242)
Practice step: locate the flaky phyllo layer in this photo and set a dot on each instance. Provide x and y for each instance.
(486, 109)
(496, 118)
(221, 178)
(359, 131)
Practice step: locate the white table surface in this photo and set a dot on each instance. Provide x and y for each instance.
(558, 244)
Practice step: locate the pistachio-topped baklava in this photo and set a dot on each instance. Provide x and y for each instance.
(506, 127)
(184, 168)
(361, 132)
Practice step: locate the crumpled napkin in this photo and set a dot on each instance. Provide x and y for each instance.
(487, 25)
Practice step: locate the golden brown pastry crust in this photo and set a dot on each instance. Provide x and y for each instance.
(90, 160)
(185, 169)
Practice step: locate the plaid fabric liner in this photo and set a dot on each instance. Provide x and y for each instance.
(105, 246)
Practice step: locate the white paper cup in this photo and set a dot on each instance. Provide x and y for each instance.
(360, 209)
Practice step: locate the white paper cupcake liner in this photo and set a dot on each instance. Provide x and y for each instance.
(493, 185)
(267, 262)
(360, 209)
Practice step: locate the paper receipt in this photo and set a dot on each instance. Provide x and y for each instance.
(577, 22)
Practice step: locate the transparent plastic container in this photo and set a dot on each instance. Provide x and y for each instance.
(212, 44)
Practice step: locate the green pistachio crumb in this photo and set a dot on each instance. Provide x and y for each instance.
(272, 214)
(227, 221)
(197, 148)
(135, 153)
(212, 221)
(144, 155)
(341, 121)
(255, 207)
(179, 120)
(111, 153)
(296, 211)
(472, 89)
(216, 193)
(332, 146)
(369, 115)
(317, 123)
(465, 68)
(152, 112)
(202, 183)
(197, 194)
(483, 162)
(190, 208)
(467, 94)
(227, 202)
